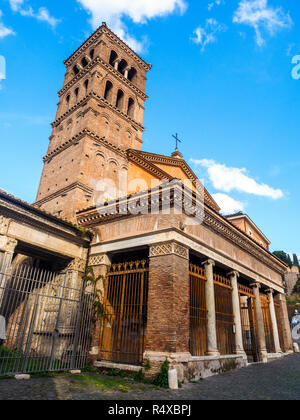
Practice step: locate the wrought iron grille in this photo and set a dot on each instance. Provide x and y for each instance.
(125, 313)
(198, 312)
(280, 326)
(224, 315)
(248, 320)
(265, 306)
(45, 321)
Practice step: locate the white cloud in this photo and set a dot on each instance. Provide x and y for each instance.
(4, 31)
(227, 204)
(208, 34)
(228, 179)
(42, 15)
(140, 11)
(261, 17)
(214, 3)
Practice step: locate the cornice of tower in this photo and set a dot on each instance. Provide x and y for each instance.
(103, 29)
(64, 190)
(104, 103)
(85, 133)
(109, 68)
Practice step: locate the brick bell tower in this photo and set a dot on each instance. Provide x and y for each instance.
(99, 116)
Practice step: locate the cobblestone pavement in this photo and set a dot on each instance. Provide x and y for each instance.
(279, 380)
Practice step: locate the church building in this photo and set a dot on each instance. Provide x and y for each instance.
(179, 280)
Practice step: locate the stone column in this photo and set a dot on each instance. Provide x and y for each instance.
(168, 326)
(261, 336)
(7, 248)
(274, 322)
(286, 327)
(101, 266)
(116, 64)
(239, 345)
(212, 345)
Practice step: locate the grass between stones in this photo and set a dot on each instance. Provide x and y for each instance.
(105, 384)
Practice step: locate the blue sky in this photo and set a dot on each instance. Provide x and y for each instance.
(221, 78)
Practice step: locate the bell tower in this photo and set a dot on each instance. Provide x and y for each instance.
(99, 116)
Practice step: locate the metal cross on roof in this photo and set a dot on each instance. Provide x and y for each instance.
(177, 140)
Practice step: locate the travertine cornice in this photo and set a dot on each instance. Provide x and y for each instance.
(110, 69)
(169, 248)
(102, 102)
(85, 133)
(184, 166)
(103, 29)
(212, 220)
(65, 190)
(148, 166)
(45, 221)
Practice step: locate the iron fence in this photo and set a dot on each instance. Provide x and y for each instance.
(45, 321)
(125, 313)
(198, 311)
(224, 315)
(265, 305)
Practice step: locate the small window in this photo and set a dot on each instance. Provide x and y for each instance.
(76, 92)
(113, 57)
(86, 85)
(84, 62)
(120, 100)
(68, 99)
(92, 54)
(132, 74)
(108, 91)
(122, 66)
(130, 109)
(75, 70)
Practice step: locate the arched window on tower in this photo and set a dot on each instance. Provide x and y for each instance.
(113, 57)
(122, 66)
(92, 54)
(86, 85)
(76, 70)
(132, 74)
(120, 100)
(108, 91)
(76, 92)
(68, 100)
(84, 62)
(130, 109)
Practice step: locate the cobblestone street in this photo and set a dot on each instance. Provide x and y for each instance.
(279, 380)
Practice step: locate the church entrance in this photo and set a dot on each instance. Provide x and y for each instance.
(125, 313)
(248, 318)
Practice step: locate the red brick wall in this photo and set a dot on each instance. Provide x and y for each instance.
(168, 305)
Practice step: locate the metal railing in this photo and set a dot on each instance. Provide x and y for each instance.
(198, 312)
(45, 321)
(125, 313)
(224, 315)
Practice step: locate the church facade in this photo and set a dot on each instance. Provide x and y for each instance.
(179, 280)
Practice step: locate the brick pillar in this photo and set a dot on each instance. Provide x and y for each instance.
(212, 344)
(284, 317)
(261, 336)
(168, 326)
(274, 322)
(101, 265)
(239, 345)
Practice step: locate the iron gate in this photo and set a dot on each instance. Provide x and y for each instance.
(125, 313)
(265, 306)
(248, 319)
(198, 312)
(45, 321)
(224, 315)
